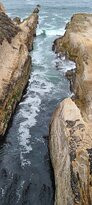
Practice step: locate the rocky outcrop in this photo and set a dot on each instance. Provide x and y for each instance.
(77, 45)
(17, 20)
(71, 154)
(71, 125)
(15, 43)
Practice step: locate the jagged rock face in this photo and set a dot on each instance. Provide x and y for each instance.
(8, 29)
(15, 41)
(71, 124)
(71, 154)
(77, 44)
(71, 76)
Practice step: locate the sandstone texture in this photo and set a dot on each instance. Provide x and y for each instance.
(77, 45)
(71, 125)
(2, 9)
(15, 42)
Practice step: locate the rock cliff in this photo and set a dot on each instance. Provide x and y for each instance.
(15, 62)
(71, 125)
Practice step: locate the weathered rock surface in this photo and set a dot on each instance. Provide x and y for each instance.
(71, 154)
(71, 124)
(77, 44)
(15, 61)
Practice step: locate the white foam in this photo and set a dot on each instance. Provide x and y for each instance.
(66, 21)
(51, 32)
(24, 161)
(30, 107)
(18, 191)
(68, 65)
(64, 64)
(55, 32)
(9, 14)
(38, 56)
(2, 192)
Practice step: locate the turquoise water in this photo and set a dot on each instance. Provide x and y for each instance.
(26, 175)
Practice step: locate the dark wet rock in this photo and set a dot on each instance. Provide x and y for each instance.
(8, 29)
(4, 173)
(17, 20)
(71, 75)
(36, 10)
(90, 160)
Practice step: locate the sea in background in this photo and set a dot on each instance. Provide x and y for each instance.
(26, 175)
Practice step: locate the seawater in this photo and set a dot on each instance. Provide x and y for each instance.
(26, 175)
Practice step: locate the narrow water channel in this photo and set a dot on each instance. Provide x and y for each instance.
(25, 170)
